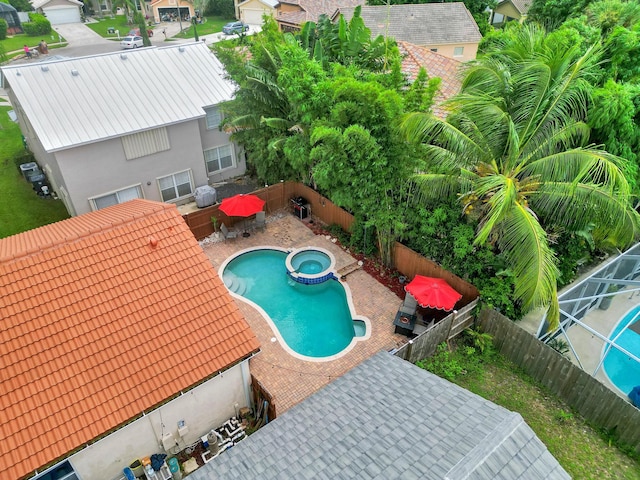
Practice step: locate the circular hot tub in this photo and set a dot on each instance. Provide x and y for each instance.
(310, 265)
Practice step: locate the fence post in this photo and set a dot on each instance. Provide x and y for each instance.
(409, 349)
(453, 318)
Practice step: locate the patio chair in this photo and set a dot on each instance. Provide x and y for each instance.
(260, 221)
(226, 233)
(409, 305)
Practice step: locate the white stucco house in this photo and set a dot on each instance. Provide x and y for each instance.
(59, 11)
(119, 341)
(141, 123)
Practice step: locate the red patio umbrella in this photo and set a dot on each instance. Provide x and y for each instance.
(433, 292)
(242, 205)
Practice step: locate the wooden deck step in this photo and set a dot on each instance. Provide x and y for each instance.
(346, 270)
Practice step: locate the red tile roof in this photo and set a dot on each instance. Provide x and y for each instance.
(100, 314)
(436, 65)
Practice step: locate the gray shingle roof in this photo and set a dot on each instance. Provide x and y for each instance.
(424, 24)
(88, 99)
(388, 419)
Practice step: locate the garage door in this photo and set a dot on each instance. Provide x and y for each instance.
(59, 15)
(252, 17)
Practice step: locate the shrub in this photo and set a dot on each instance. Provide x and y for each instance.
(363, 238)
(467, 357)
(25, 156)
(38, 25)
(336, 230)
(3, 29)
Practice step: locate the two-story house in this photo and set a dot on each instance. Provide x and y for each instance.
(137, 124)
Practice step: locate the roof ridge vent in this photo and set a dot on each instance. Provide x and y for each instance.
(75, 72)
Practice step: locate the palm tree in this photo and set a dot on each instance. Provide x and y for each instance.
(515, 150)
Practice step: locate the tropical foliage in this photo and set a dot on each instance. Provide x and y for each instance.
(614, 112)
(321, 108)
(515, 149)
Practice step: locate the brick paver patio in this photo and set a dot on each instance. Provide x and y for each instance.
(288, 379)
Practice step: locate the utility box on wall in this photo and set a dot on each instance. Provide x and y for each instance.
(168, 441)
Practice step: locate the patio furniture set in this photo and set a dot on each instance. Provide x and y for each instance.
(426, 292)
(242, 205)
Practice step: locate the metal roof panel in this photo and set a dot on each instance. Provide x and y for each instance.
(77, 101)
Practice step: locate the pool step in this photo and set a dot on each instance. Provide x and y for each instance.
(235, 284)
(346, 270)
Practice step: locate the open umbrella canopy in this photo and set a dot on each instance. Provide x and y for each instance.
(241, 205)
(433, 292)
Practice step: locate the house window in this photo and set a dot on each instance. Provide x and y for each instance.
(458, 51)
(219, 158)
(145, 143)
(214, 117)
(114, 198)
(63, 471)
(175, 186)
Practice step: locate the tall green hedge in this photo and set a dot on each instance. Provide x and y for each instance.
(3, 28)
(38, 25)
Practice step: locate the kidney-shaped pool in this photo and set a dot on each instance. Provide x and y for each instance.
(314, 321)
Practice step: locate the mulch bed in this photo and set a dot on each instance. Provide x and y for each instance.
(389, 277)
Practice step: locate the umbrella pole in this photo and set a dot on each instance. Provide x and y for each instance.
(246, 233)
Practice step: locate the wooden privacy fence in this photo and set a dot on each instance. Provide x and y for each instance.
(411, 263)
(200, 224)
(425, 344)
(586, 395)
(278, 196)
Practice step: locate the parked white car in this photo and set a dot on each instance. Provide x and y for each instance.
(132, 41)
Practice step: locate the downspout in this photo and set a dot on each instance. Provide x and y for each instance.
(244, 371)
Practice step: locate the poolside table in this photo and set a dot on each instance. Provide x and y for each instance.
(404, 323)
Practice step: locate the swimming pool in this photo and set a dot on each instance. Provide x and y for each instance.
(622, 370)
(314, 322)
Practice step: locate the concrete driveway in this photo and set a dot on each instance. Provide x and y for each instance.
(78, 34)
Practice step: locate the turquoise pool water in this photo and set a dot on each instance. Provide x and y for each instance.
(623, 371)
(313, 320)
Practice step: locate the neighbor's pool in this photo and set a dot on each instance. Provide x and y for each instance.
(314, 321)
(622, 370)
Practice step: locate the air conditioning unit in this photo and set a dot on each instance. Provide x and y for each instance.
(168, 441)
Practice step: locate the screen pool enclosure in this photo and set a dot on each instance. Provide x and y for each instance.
(600, 322)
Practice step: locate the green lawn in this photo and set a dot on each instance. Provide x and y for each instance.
(209, 26)
(17, 42)
(20, 208)
(582, 451)
(118, 22)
